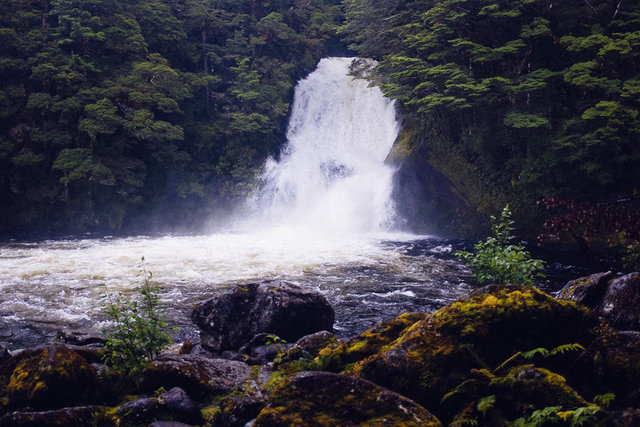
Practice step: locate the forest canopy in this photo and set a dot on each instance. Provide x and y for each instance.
(535, 100)
(116, 110)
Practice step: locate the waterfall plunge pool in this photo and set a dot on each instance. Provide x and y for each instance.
(61, 284)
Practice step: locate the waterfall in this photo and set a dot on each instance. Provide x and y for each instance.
(331, 176)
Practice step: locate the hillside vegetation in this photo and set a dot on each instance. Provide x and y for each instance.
(114, 110)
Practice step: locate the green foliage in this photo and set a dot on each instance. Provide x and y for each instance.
(486, 403)
(534, 101)
(604, 400)
(112, 111)
(561, 349)
(138, 333)
(498, 260)
(553, 415)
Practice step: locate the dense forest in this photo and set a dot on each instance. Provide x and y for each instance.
(112, 111)
(115, 111)
(532, 102)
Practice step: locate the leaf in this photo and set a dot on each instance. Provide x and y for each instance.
(486, 403)
(531, 354)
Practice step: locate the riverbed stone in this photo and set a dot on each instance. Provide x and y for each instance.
(50, 377)
(322, 398)
(174, 404)
(275, 307)
(621, 302)
(198, 376)
(237, 411)
(588, 290)
(79, 416)
(309, 345)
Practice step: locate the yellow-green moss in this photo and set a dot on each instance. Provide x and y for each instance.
(52, 376)
(372, 341)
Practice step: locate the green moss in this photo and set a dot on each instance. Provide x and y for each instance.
(50, 378)
(500, 320)
(324, 399)
(372, 341)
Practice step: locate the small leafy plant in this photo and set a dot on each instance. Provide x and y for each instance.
(139, 333)
(497, 259)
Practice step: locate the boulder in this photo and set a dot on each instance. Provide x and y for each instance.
(199, 376)
(237, 411)
(621, 302)
(588, 290)
(274, 307)
(263, 348)
(425, 359)
(179, 405)
(79, 416)
(50, 377)
(138, 412)
(80, 338)
(322, 398)
(175, 404)
(309, 345)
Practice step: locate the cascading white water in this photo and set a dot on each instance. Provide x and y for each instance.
(331, 176)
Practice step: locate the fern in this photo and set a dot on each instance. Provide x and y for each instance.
(486, 403)
(604, 399)
(584, 414)
(541, 416)
(564, 348)
(561, 349)
(531, 354)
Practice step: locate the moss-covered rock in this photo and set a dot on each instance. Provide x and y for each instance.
(426, 357)
(326, 399)
(198, 376)
(499, 320)
(588, 290)
(50, 377)
(346, 352)
(66, 417)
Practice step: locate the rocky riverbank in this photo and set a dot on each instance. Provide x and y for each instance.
(503, 354)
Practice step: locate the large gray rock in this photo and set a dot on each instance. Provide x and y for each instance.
(275, 307)
(587, 290)
(621, 302)
(175, 404)
(198, 376)
(616, 299)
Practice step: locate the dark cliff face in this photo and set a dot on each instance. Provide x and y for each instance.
(426, 200)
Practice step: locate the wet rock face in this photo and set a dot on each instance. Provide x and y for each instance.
(615, 299)
(198, 376)
(588, 290)
(275, 307)
(321, 398)
(50, 377)
(621, 302)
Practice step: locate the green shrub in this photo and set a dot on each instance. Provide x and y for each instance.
(138, 333)
(498, 260)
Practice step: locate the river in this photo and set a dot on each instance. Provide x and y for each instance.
(322, 217)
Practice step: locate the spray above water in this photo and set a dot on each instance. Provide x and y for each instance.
(331, 177)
